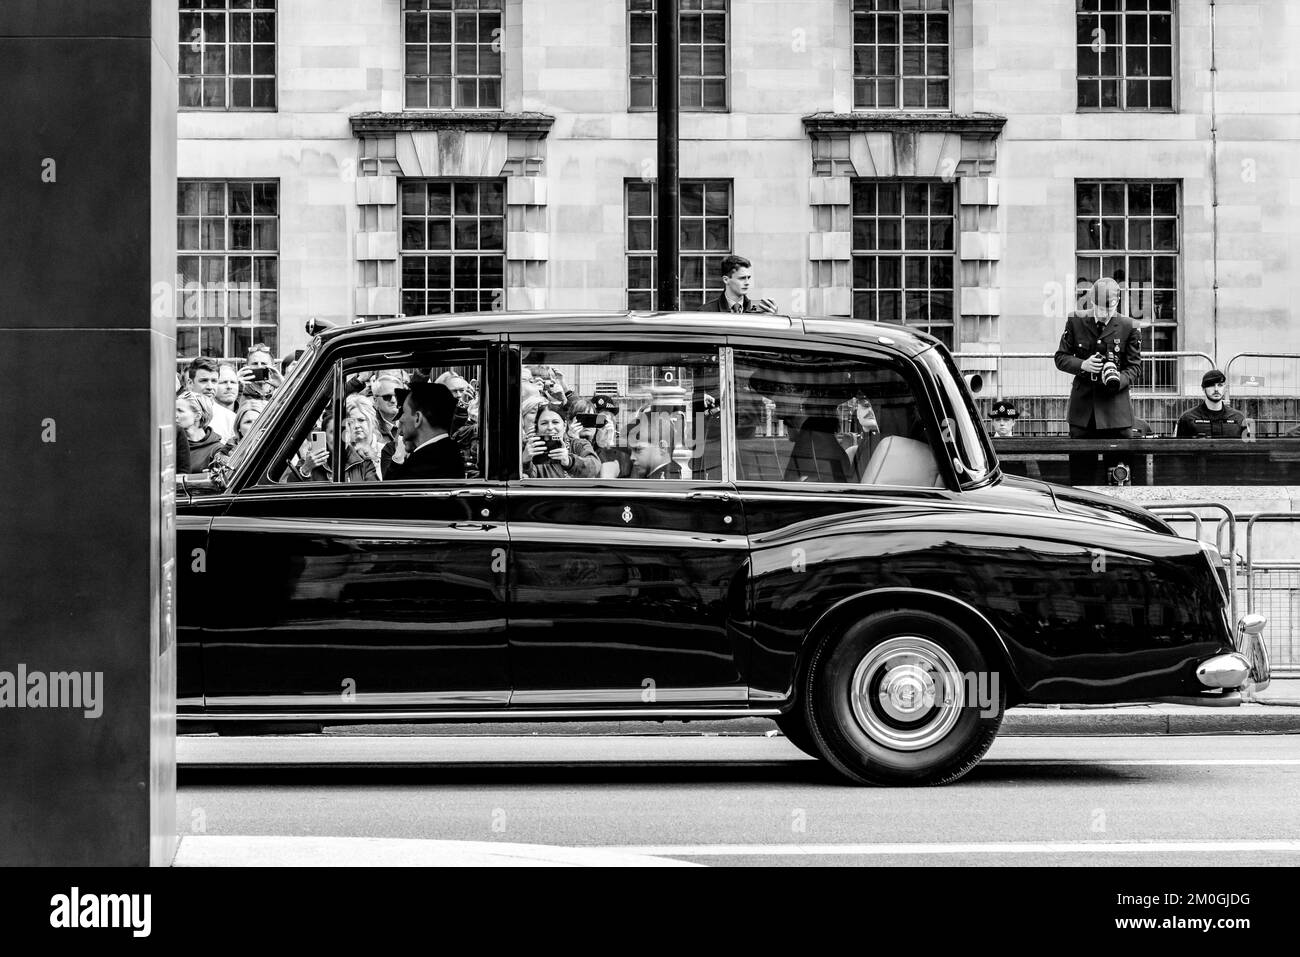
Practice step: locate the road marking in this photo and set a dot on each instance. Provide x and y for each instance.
(1216, 762)
(904, 850)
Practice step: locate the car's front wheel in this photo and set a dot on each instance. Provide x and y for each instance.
(903, 697)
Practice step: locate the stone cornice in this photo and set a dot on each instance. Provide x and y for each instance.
(408, 122)
(975, 124)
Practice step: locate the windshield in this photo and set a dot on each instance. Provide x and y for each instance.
(250, 441)
(972, 444)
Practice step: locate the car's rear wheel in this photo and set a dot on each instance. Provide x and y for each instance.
(903, 697)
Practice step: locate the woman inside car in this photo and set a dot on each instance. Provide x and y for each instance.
(552, 452)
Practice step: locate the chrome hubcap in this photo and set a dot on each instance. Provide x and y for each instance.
(907, 693)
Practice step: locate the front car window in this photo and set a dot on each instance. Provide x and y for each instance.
(353, 429)
(813, 417)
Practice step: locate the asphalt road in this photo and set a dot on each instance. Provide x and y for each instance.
(743, 801)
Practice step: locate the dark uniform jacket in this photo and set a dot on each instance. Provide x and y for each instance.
(438, 460)
(1201, 423)
(1092, 403)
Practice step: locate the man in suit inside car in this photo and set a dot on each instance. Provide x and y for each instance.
(427, 412)
(1101, 349)
(737, 277)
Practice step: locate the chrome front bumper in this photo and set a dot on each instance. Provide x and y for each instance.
(1247, 668)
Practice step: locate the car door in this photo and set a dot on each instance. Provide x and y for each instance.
(836, 454)
(330, 595)
(627, 591)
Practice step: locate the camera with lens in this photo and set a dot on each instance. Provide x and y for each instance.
(1110, 374)
(1119, 474)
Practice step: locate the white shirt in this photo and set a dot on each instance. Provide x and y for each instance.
(223, 421)
(429, 442)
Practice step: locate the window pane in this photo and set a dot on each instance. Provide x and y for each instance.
(439, 233)
(692, 199)
(889, 305)
(417, 28)
(1164, 199)
(466, 58)
(266, 234)
(467, 234)
(1161, 61)
(264, 27)
(440, 199)
(214, 92)
(187, 234)
(264, 94)
(941, 234)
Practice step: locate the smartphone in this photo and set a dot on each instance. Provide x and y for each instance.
(541, 458)
(316, 443)
(260, 375)
(588, 421)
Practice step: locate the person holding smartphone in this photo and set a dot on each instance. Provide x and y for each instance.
(259, 373)
(552, 452)
(313, 462)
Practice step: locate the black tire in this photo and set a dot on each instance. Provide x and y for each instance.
(909, 738)
(793, 725)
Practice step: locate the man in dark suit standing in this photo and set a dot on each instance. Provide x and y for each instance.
(737, 277)
(1100, 348)
(427, 412)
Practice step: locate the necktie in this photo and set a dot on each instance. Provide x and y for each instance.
(737, 306)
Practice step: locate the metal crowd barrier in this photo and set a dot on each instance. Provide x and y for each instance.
(1273, 589)
(1263, 373)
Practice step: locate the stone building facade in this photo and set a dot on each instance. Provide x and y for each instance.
(1009, 146)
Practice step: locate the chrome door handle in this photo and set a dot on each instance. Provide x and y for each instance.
(473, 493)
(712, 496)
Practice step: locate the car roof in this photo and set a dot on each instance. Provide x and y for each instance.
(795, 328)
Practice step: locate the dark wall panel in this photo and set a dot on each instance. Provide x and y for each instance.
(88, 406)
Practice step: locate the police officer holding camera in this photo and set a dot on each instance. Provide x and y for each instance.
(1100, 348)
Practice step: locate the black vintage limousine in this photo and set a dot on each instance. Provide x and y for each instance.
(742, 515)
